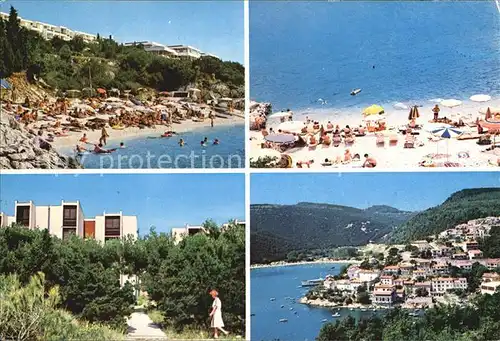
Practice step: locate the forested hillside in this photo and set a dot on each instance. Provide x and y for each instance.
(74, 64)
(277, 230)
(459, 208)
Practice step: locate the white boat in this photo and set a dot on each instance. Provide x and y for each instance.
(336, 315)
(363, 309)
(355, 92)
(272, 299)
(324, 320)
(283, 320)
(312, 282)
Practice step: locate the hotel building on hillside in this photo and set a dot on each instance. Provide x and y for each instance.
(155, 48)
(179, 233)
(68, 218)
(48, 31)
(170, 51)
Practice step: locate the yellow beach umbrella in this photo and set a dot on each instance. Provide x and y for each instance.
(373, 110)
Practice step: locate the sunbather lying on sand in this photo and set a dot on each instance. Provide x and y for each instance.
(307, 163)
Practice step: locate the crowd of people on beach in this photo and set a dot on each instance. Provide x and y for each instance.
(309, 134)
(51, 118)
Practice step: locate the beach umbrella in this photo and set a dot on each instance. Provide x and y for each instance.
(447, 133)
(414, 114)
(400, 106)
(293, 126)
(451, 103)
(280, 138)
(480, 98)
(373, 110)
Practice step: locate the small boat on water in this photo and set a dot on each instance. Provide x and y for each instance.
(351, 309)
(272, 299)
(324, 320)
(374, 309)
(252, 314)
(355, 92)
(363, 309)
(283, 320)
(291, 308)
(312, 282)
(336, 315)
(282, 306)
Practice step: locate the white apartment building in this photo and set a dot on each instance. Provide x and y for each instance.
(186, 51)
(171, 51)
(490, 287)
(68, 218)
(48, 31)
(179, 233)
(155, 48)
(439, 286)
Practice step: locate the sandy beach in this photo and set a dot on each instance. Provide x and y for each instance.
(117, 136)
(433, 151)
(319, 261)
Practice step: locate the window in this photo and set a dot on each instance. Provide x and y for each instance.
(112, 227)
(69, 215)
(23, 215)
(68, 232)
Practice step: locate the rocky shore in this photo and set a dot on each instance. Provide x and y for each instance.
(18, 152)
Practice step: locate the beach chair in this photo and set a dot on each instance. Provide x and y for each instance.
(380, 141)
(393, 141)
(409, 144)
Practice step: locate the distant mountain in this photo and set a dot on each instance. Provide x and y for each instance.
(278, 229)
(459, 208)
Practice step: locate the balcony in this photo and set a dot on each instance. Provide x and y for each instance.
(112, 227)
(23, 215)
(69, 216)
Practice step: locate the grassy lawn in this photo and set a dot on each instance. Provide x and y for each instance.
(187, 334)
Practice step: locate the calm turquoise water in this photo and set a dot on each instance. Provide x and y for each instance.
(283, 283)
(395, 51)
(166, 153)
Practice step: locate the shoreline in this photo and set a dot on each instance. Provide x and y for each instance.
(321, 261)
(355, 306)
(427, 150)
(61, 144)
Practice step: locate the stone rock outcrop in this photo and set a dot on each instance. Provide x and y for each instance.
(259, 109)
(18, 152)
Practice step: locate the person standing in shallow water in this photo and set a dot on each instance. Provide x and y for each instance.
(104, 136)
(216, 315)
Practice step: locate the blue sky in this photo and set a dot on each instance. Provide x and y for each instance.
(161, 200)
(406, 191)
(215, 27)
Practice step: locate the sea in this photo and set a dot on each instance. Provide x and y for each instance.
(308, 56)
(284, 284)
(154, 152)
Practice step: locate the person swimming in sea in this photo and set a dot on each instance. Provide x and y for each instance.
(99, 150)
(80, 149)
(203, 143)
(181, 143)
(216, 141)
(122, 145)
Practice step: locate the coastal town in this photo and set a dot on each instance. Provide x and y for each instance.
(414, 276)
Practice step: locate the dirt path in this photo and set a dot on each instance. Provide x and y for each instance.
(140, 327)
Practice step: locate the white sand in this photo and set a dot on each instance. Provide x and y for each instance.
(116, 136)
(394, 156)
